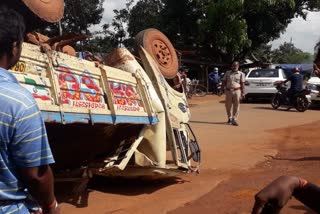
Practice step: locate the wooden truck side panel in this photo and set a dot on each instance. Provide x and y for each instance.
(70, 90)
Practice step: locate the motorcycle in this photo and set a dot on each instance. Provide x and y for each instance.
(219, 88)
(300, 101)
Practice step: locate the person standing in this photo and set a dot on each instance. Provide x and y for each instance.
(214, 80)
(25, 153)
(177, 82)
(184, 79)
(233, 81)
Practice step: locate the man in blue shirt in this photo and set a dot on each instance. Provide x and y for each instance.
(25, 154)
(214, 80)
(296, 80)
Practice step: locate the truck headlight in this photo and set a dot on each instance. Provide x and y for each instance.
(312, 87)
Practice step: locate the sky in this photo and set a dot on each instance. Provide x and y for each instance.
(304, 33)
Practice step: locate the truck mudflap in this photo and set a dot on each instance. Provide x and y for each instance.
(194, 146)
(189, 153)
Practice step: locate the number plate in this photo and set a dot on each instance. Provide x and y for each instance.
(262, 84)
(20, 66)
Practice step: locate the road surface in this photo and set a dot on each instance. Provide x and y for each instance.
(237, 162)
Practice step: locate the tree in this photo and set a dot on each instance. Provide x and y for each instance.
(266, 19)
(263, 54)
(180, 22)
(221, 29)
(225, 29)
(79, 15)
(287, 53)
(145, 14)
(242, 26)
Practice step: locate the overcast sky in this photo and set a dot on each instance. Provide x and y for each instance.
(304, 34)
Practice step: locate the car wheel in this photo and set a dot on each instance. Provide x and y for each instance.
(161, 49)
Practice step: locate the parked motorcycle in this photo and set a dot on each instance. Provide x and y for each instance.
(300, 101)
(219, 88)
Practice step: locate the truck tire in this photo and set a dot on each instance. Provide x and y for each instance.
(161, 49)
(49, 10)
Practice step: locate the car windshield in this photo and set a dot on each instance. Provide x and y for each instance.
(264, 73)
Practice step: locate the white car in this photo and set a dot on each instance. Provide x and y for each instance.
(314, 85)
(260, 83)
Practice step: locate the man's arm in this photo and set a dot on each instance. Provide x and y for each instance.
(211, 76)
(278, 192)
(32, 155)
(309, 195)
(275, 195)
(287, 80)
(224, 80)
(39, 181)
(242, 86)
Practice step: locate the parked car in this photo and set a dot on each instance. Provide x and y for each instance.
(260, 83)
(314, 85)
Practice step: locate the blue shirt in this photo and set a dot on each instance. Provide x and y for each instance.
(23, 141)
(296, 80)
(214, 77)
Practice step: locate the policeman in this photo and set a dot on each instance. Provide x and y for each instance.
(234, 82)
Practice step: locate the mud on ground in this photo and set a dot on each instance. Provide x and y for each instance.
(299, 154)
(237, 162)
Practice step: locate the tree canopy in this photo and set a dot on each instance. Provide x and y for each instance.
(288, 53)
(219, 30)
(79, 15)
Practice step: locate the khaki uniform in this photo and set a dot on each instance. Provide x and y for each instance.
(233, 82)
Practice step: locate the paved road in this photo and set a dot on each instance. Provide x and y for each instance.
(227, 150)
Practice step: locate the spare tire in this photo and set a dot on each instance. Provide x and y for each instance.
(48, 10)
(37, 13)
(161, 49)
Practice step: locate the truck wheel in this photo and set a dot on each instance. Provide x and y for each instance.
(49, 10)
(161, 49)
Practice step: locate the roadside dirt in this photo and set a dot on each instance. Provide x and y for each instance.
(299, 154)
(237, 162)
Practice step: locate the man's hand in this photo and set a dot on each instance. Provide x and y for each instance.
(275, 194)
(242, 96)
(55, 210)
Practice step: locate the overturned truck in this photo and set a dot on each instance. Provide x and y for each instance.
(118, 118)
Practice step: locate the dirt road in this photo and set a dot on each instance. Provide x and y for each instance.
(237, 162)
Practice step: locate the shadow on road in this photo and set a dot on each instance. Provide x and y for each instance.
(279, 109)
(270, 108)
(131, 187)
(295, 159)
(207, 122)
(119, 186)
